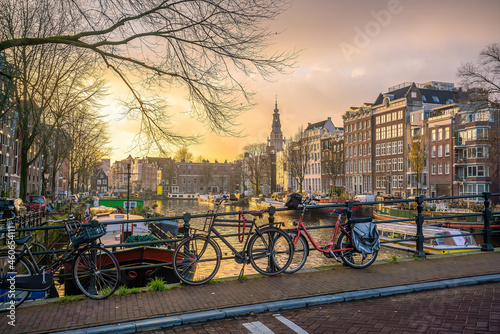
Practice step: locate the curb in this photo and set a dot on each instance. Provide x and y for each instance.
(190, 318)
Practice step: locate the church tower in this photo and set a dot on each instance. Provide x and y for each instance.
(276, 137)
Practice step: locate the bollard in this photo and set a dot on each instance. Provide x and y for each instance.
(487, 246)
(419, 220)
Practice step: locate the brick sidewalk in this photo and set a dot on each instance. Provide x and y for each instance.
(53, 317)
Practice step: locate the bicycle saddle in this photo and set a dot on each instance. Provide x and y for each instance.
(256, 213)
(23, 240)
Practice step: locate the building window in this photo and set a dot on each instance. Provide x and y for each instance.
(433, 135)
(400, 164)
(440, 134)
(440, 168)
(481, 171)
(433, 151)
(447, 133)
(400, 146)
(433, 169)
(446, 168)
(400, 130)
(440, 151)
(447, 150)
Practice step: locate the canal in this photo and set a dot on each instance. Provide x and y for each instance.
(229, 268)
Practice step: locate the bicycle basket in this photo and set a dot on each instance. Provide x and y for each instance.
(87, 233)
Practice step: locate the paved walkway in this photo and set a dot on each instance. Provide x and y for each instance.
(182, 305)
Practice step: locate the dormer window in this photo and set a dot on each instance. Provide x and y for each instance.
(387, 101)
(435, 98)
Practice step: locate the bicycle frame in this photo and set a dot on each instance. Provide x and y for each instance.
(24, 253)
(212, 230)
(331, 244)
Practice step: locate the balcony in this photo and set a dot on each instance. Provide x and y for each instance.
(460, 142)
(460, 160)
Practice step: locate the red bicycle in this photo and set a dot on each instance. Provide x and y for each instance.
(341, 243)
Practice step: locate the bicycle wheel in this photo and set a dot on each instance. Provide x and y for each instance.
(300, 253)
(21, 268)
(270, 251)
(42, 260)
(196, 260)
(352, 257)
(96, 272)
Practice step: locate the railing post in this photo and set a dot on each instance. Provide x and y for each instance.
(186, 218)
(272, 211)
(487, 246)
(349, 206)
(419, 220)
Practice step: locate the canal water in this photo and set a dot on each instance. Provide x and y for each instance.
(229, 268)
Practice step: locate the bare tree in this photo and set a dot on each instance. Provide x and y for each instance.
(207, 47)
(183, 155)
(483, 76)
(481, 82)
(47, 81)
(417, 156)
(332, 164)
(296, 155)
(89, 140)
(256, 165)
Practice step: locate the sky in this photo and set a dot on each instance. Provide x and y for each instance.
(351, 50)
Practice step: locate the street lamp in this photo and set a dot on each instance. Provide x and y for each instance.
(45, 180)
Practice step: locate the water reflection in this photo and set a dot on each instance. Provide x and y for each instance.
(229, 267)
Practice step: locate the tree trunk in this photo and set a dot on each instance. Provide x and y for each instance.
(24, 170)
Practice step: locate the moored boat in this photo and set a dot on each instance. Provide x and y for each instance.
(440, 240)
(141, 263)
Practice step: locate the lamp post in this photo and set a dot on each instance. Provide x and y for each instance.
(45, 181)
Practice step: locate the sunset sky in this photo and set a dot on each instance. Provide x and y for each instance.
(352, 50)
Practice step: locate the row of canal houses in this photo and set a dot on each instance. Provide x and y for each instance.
(377, 137)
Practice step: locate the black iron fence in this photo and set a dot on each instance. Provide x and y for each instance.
(35, 224)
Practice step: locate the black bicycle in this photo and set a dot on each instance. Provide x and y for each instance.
(95, 270)
(197, 257)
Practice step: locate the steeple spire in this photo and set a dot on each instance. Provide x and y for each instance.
(276, 136)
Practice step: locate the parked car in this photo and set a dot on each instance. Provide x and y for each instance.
(11, 207)
(36, 203)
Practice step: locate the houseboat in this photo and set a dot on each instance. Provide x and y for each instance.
(438, 240)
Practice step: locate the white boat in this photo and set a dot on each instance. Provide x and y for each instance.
(444, 240)
(116, 232)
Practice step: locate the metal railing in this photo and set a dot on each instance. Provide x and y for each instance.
(24, 226)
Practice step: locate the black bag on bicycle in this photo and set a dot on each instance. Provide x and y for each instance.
(294, 200)
(366, 237)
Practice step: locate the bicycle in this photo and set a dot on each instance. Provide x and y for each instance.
(197, 257)
(95, 270)
(341, 243)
